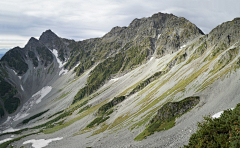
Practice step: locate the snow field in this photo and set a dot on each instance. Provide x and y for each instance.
(43, 92)
(41, 142)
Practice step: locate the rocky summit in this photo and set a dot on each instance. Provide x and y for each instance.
(150, 84)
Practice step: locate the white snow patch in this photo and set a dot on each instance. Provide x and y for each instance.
(76, 65)
(151, 59)
(63, 71)
(10, 130)
(21, 115)
(61, 64)
(182, 46)
(35, 99)
(158, 36)
(14, 72)
(8, 119)
(41, 142)
(12, 136)
(22, 88)
(43, 92)
(20, 77)
(217, 115)
(5, 140)
(55, 52)
(114, 79)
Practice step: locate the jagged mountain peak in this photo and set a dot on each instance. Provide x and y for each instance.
(47, 33)
(121, 81)
(226, 33)
(170, 27)
(32, 43)
(48, 37)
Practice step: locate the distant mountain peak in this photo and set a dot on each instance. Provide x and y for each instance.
(33, 42)
(47, 36)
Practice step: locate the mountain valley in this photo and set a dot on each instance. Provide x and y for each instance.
(145, 85)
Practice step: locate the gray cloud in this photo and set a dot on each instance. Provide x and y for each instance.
(87, 19)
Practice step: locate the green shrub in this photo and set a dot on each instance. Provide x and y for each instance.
(165, 118)
(56, 114)
(45, 54)
(1, 111)
(34, 117)
(110, 104)
(7, 93)
(97, 121)
(11, 104)
(218, 132)
(146, 82)
(5, 87)
(83, 109)
(15, 60)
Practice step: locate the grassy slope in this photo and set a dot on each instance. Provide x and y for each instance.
(148, 100)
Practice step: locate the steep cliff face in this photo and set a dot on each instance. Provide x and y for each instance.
(52, 41)
(40, 61)
(29, 69)
(163, 33)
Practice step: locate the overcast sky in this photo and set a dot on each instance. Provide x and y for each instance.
(83, 19)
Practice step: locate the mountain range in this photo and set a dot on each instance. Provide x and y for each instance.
(145, 85)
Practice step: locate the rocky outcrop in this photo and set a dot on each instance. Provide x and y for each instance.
(26, 70)
(173, 109)
(52, 41)
(161, 34)
(165, 118)
(227, 33)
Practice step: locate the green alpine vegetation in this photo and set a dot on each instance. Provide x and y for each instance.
(1, 111)
(97, 121)
(45, 54)
(34, 117)
(56, 114)
(7, 93)
(104, 111)
(5, 87)
(100, 73)
(11, 104)
(165, 118)
(221, 132)
(107, 106)
(15, 60)
(146, 82)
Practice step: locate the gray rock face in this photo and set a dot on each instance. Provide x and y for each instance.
(228, 33)
(160, 34)
(52, 41)
(29, 69)
(116, 64)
